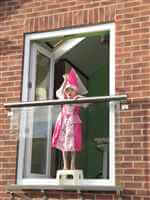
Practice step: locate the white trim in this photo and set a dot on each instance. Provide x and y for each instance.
(112, 105)
(26, 68)
(112, 60)
(112, 142)
(48, 181)
(20, 167)
(32, 72)
(42, 50)
(66, 46)
(77, 31)
(28, 145)
(35, 48)
(71, 31)
(29, 94)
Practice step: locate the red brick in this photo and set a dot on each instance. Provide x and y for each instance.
(133, 171)
(133, 185)
(124, 10)
(132, 158)
(85, 17)
(141, 19)
(91, 5)
(132, 77)
(132, 4)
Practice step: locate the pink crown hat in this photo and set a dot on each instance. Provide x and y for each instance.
(72, 80)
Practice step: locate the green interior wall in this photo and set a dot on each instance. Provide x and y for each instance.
(95, 121)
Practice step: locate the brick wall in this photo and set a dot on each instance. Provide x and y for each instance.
(132, 20)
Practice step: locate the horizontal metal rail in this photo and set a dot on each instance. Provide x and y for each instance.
(96, 99)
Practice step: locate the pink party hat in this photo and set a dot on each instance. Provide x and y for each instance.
(72, 80)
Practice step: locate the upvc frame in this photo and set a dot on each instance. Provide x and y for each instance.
(22, 165)
(29, 38)
(35, 48)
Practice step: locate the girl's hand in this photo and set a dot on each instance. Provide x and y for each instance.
(65, 76)
(77, 97)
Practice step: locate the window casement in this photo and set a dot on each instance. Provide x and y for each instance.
(47, 56)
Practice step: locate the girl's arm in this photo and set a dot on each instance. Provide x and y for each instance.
(60, 91)
(84, 105)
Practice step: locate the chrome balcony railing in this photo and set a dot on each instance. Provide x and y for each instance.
(33, 124)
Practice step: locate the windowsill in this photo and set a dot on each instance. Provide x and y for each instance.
(78, 188)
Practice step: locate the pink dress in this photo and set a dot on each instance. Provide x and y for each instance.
(67, 135)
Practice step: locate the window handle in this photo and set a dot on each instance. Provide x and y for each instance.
(30, 85)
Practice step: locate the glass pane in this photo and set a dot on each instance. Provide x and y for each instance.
(39, 140)
(48, 133)
(95, 141)
(35, 126)
(90, 141)
(42, 77)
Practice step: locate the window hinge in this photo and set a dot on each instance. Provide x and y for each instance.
(29, 85)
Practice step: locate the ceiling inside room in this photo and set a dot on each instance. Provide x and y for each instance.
(88, 55)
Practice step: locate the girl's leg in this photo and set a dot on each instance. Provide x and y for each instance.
(65, 160)
(73, 160)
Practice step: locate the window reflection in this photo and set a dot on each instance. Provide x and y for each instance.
(42, 77)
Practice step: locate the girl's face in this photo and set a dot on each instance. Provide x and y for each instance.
(70, 93)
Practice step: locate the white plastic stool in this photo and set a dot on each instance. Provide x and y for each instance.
(69, 177)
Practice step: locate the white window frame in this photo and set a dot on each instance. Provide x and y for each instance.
(35, 48)
(29, 38)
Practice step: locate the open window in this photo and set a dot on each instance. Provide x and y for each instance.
(90, 51)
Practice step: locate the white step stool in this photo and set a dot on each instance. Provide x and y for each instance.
(69, 177)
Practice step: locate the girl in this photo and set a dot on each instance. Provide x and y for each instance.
(67, 135)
